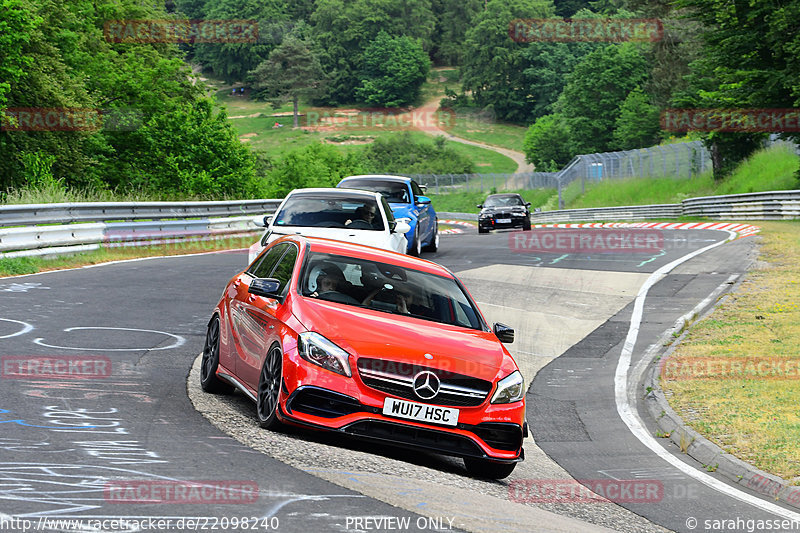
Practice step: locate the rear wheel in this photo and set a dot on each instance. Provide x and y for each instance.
(210, 362)
(483, 230)
(434, 244)
(269, 388)
(484, 468)
(416, 245)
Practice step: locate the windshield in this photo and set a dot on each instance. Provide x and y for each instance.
(502, 201)
(393, 191)
(328, 211)
(389, 289)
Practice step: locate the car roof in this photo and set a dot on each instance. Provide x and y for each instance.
(319, 244)
(504, 195)
(333, 191)
(384, 177)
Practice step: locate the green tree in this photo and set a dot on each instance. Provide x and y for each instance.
(402, 153)
(453, 19)
(233, 60)
(394, 70)
(638, 123)
(750, 59)
(547, 143)
(343, 29)
(292, 71)
(494, 64)
(595, 90)
(317, 165)
(16, 24)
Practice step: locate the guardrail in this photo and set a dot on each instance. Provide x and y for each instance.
(635, 213)
(52, 229)
(773, 205)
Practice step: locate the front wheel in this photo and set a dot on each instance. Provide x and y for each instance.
(210, 362)
(484, 468)
(526, 225)
(269, 388)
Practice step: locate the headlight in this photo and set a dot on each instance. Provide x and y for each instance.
(316, 349)
(510, 389)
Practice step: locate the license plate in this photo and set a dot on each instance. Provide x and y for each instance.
(419, 411)
(504, 221)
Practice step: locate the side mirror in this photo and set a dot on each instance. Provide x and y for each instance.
(401, 226)
(504, 333)
(262, 221)
(423, 200)
(527, 204)
(266, 287)
(479, 206)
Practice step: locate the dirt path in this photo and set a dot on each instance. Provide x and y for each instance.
(519, 158)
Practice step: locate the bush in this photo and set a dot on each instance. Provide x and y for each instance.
(402, 154)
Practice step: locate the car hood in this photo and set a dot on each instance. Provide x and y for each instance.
(490, 210)
(370, 333)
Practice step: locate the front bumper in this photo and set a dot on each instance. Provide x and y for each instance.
(321, 408)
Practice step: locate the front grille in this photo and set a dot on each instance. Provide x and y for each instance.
(440, 441)
(397, 379)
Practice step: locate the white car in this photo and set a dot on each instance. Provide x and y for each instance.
(349, 215)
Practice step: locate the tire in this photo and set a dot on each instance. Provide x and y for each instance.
(269, 388)
(486, 469)
(526, 225)
(416, 247)
(210, 362)
(482, 230)
(434, 244)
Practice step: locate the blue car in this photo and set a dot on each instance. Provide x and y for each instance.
(407, 200)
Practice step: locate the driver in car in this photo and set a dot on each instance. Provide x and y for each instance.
(364, 214)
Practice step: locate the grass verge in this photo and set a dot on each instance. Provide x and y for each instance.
(30, 265)
(736, 376)
(466, 202)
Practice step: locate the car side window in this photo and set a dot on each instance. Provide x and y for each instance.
(262, 268)
(388, 210)
(416, 189)
(283, 270)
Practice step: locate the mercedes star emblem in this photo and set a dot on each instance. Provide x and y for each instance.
(426, 385)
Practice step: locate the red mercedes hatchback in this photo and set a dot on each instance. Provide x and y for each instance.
(369, 343)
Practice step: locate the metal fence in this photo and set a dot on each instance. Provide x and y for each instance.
(680, 160)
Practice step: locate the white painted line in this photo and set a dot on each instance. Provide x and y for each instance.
(25, 328)
(179, 341)
(635, 424)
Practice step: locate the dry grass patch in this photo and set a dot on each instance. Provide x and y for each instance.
(748, 405)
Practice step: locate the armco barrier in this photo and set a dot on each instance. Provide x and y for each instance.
(68, 213)
(774, 205)
(85, 226)
(632, 213)
(82, 226)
